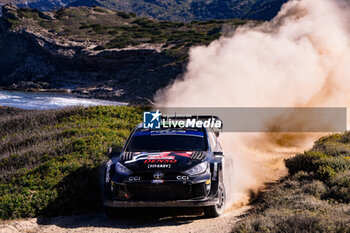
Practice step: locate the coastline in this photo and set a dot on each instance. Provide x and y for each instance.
(98, 93)
(42, 100)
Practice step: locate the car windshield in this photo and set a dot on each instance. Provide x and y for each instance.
(167, 140)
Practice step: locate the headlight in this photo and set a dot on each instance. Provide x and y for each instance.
(198, 169)
(120, 169)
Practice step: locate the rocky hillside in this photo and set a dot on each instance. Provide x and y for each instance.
(97, 52)
(184, 10)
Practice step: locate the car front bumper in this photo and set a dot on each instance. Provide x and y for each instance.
(177, 203)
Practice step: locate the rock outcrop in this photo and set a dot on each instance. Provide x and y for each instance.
(33, 59)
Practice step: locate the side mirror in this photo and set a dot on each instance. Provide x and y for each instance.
(113, 151)
(218, 154)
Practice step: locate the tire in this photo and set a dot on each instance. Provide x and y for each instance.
(218, 209)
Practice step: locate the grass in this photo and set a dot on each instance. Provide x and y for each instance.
(49, 160)
(314, 197)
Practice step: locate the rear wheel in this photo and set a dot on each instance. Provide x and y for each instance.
(218, 209)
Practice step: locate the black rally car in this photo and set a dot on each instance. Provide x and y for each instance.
(177, 167)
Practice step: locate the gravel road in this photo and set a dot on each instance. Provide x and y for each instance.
(149, 220)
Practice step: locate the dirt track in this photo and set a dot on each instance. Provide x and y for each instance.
(155, 221)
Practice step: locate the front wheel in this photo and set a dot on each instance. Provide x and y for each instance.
(218, 209)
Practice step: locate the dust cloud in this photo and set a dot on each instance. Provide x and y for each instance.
(299, 59)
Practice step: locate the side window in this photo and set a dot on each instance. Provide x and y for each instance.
(212, 140)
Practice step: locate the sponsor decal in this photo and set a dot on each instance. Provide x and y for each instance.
(207, 187)
(157, 181)
(159, 165)
(164, 161)
(135, 178)
(183, 132)
(138, 157)
(158, 175)
(184, 154)
(182, 178)
(151, 120)
(164, 155)
(108, 164)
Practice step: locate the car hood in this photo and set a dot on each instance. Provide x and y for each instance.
(168, 160)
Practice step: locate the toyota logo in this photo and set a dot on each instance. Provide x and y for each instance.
(158, 175)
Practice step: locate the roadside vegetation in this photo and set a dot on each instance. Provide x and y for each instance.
(50, 160)
(314, 197)
(115, 29)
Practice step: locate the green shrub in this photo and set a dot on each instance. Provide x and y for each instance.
(315, 188)
(51, 159)
(331, 166)
(340, 187)
(143, 22)
(29, 14)
(122, 41)
(99, 9)
(304, 162)
(124, 15)
(303, 176)
(325, 172)
(334, 145)
(13, 23)
(132, 14)
(84, 26)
